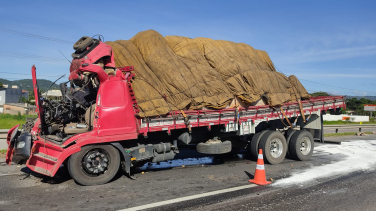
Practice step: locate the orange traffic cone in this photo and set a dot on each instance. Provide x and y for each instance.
(260, 177)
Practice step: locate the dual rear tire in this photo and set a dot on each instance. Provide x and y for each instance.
(301, 145)
(274, 145)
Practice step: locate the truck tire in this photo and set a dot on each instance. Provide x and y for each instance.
(288, 136)
(255, 144)
(274, 147)
(301, 145)
(29, 124)
(82, 43)
(214, 147)
(94, 164)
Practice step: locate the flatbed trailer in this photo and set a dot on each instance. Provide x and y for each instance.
(246, 118)
(113, 135)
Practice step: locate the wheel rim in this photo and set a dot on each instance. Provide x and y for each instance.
(95, 162)
(305, 145)
(276, 148)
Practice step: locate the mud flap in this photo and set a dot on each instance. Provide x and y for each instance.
(127, 159)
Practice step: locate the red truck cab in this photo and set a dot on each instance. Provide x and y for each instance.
(113, 119)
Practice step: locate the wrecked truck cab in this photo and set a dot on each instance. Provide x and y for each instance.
(66, 127)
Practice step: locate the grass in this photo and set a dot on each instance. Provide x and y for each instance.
(7, 121)
(343, 134)
(340, 122)
(3, 152)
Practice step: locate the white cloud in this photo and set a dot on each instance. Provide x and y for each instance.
(326, 55)
(334, 92)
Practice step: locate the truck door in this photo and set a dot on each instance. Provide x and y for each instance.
(38, 101)
(114, 114)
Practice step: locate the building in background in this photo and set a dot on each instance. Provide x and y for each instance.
(12, 94)
(345, 117)
(22, 108)
(53, 95)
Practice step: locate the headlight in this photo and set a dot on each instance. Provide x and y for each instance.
(20, 144)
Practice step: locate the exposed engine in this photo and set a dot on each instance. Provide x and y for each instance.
(71, 115)
(74, 113)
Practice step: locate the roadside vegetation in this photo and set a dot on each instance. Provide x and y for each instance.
(3, 152)
(353, 104)
(7, 121)
(340, 122)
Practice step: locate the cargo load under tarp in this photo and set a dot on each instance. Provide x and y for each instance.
(179, 73)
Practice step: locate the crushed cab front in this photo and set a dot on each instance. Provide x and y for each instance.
(11, 136)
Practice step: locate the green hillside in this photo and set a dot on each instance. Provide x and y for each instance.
(27, 84)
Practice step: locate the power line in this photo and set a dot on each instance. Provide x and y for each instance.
(29, 56)
(19, 79)
(313, 90)
(337, 86)
(30, 74)
(36, 36)
(327, 84)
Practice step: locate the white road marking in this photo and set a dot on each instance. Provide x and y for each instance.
(161, 203)
(1, 174)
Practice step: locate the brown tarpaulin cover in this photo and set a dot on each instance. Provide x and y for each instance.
(174, 73)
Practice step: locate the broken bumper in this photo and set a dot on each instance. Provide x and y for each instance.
(19, 146)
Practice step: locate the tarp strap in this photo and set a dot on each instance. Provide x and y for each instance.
(237, 114)
(186, 121)
(296, 119)
(287, 119)
(301, 110)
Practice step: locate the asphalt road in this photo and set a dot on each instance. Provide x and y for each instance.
(355, 191)
(169, 181)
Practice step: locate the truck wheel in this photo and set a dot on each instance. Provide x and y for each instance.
(29, 124)
(288, 136)
(214, 147)
(82, 43)
(274, 147)
(301, 145)
(255, 144)
(94, 164)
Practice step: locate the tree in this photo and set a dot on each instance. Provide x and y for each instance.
(351, 103)
(1, 85)
(358, 105)
(31, 97)
(24, 100)
(316, 94)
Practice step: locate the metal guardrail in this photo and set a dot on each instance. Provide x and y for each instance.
(3, 133)
(337, 127)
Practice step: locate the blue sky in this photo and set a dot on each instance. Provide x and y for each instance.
(329, 45)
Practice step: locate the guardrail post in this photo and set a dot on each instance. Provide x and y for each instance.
(360, 130)
(336, 130)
